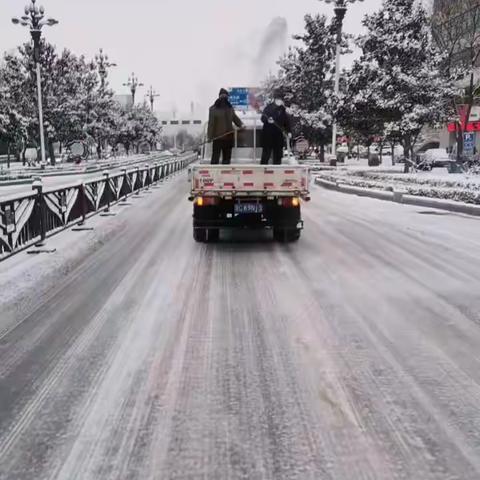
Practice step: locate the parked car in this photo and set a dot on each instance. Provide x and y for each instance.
(433, 158)
(31, 156)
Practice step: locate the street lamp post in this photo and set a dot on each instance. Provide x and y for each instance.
(340, 12)
(133, 83)
(34, 18)
(103, 64)
(151, 95)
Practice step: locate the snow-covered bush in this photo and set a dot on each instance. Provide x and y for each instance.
(458, 187)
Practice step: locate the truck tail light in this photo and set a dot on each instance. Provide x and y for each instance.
(206, 201)
(289, 202)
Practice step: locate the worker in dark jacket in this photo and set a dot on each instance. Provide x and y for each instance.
(276, 126)
(220, 128)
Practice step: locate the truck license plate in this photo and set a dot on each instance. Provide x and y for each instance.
(242, 208)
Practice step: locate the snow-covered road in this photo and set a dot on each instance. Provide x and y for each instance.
(351, 355)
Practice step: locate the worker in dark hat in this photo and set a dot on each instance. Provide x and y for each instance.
(276, 127)
(222, 117)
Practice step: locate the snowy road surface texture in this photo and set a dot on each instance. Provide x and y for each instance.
(351, 355)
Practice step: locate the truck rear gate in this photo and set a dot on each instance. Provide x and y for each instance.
(256, 180)
(248, 196)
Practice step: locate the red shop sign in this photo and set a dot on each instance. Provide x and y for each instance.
(471, 127)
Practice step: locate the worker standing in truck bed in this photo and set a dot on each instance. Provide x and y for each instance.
(276, 126)
(222, 116)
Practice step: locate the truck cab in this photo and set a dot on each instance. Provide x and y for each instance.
(246, 194)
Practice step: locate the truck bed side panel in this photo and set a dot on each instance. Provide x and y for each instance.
(287, 179)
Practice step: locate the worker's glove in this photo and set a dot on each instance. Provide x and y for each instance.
(271, 120)
(289, 135)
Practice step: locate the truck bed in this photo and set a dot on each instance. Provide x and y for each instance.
(250, 180)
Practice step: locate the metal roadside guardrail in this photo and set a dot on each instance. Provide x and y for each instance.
(24, 175)
(28, 219)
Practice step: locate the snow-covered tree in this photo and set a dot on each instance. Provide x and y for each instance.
(136, 126)
(61, 84)
(17, 113)
(305, 80)
(76, 104)
(12, 124)
(398, 85)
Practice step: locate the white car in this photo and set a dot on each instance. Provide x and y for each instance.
(436, 157)
(31, 156)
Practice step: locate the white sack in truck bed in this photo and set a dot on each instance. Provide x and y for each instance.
(248, 179)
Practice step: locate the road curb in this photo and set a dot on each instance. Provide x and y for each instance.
(402, 198)
(10, 183)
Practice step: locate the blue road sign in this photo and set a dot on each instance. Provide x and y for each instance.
(468, 143)
(239, 97)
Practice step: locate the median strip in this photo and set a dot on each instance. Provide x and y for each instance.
(400, 196)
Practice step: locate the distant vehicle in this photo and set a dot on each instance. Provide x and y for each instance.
(433, 158)
(387, 150)
(246, 194)
(31, 156)
(144, 148)
(301, 147)
(76, 152)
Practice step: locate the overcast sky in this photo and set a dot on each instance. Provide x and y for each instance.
(186, 49)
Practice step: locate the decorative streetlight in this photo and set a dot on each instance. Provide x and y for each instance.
(103, 64)
(133, 83)
(151, 95)
(340, 12)
(34, 18)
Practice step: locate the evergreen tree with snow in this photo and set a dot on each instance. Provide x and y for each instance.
(305, 78)
(17, 113)
(77, 107)
(398, 85)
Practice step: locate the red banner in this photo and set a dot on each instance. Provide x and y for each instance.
(471, 127)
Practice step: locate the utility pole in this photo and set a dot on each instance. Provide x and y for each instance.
(340, 12)
(151, 95)
(133, 83)
(34, 18)
(103, 64)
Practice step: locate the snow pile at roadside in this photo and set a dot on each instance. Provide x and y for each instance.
(459, 187)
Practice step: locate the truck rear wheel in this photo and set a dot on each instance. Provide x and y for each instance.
(286, 235)
(213, 234)
(206, 234)
(200, 234)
